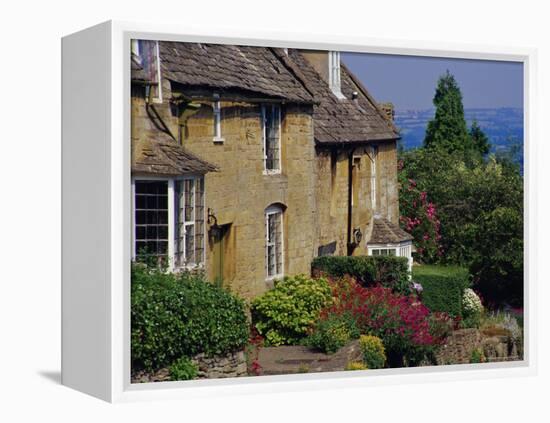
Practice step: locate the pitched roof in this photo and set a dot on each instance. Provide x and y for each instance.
(386, 232)
(343, 120)
(161, 155)
(253, 70)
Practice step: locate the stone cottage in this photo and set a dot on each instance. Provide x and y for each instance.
(248, 162)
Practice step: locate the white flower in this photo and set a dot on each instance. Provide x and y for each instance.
(471, 302)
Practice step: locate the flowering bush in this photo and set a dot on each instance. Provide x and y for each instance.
(400, 321)
(285, 314)
(419, 218)
(374, 354)
(471, 303)
(472, 308)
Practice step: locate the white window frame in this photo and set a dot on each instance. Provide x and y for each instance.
(334, 74)
(373, 156)
(217, 113)
(264, 139)
(402, 249)
(171, 218)
(270, 211)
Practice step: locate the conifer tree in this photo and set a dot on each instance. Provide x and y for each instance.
(480, 142)
(448, 130)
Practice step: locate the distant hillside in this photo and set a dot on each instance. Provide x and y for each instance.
(503, 126)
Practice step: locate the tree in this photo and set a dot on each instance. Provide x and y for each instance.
(448, 130)
(480, 142)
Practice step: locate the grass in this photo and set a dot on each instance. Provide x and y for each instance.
(438, 270)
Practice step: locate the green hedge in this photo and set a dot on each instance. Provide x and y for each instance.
(177, 315)
(443, 287)
(388, 271)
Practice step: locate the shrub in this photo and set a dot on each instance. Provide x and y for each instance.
(442, 287)
(285, 314)
(402, 322)
(175, 315)
(356, 365)
(472, 309)
(477, 356)
(374, 354)
(387, 271)
(183, 369)
(332, 333)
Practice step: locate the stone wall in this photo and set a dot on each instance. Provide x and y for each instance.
(222, 366)
(240, 192)
(312, 187)
(332, 194)
(461, 343)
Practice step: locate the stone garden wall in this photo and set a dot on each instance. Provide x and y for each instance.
(221, 366)
(461, 343)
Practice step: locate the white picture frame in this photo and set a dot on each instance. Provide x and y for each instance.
(96, 204)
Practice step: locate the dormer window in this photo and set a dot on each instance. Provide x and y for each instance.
(147, 52)
(334, 74)
(217, 113)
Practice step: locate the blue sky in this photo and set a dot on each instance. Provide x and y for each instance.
(409, 81)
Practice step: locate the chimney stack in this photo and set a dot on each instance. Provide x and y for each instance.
(388, 110)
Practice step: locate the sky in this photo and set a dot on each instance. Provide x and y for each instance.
(409, 81)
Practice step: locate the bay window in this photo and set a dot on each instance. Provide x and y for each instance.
(168, 223)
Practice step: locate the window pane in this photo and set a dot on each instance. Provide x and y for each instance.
(151, 218)
(272, 141)
(190, 244)
(274, 248)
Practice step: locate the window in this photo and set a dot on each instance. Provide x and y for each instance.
(274, 242)
(189, 222)
(271, 137)
(169, 221)
(402, 249)
(151, 219)
(334, 73)
(373, 155)
(217, 121)
(383, 252)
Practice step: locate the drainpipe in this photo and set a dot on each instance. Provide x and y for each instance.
(351, 245)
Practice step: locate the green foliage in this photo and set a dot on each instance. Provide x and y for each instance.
(356, 365)
(332, 333)
(285, 314)
(479, 202)
(448, 129)
(175, 315)
(480, 208)
(477, 356)
(443, 287)
(374, 353)
(183, 369)
(388, 271)
(479, 140)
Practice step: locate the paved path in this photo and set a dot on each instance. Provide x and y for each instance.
(298, 359)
